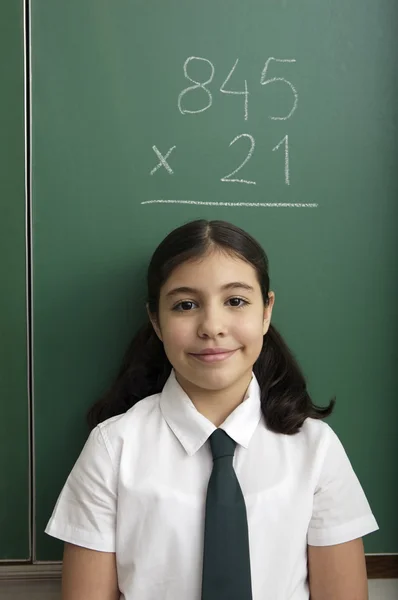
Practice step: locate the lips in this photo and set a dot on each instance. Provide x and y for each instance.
(214, 351)
(214, 355)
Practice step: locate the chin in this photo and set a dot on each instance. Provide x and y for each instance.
(214, 378)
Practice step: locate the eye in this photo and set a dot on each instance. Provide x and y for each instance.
(235, 302)
(184, 306)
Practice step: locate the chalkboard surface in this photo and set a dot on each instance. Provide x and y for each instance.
(14, 430)
(278, 116)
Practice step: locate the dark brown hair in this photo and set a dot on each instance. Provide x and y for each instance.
(145, 368)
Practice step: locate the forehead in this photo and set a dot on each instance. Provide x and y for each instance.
(211, 271)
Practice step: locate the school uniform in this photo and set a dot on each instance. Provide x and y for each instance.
(139, 489)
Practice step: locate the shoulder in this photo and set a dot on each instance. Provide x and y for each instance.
(117, 431)
(314, 435)
(330, 456)
(310, 446)
(138, 414)
(323, 437)
(306, 449)
(316, 431)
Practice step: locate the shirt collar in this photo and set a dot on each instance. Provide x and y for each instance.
(193, 429)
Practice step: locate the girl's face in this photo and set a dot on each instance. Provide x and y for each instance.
(213, 304)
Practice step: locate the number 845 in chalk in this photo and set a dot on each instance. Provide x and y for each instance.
(202, 86)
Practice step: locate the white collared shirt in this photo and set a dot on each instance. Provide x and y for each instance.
(139, 489)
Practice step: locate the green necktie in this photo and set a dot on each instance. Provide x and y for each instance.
(226, 559)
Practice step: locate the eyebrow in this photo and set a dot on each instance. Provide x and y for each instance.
(235, 285)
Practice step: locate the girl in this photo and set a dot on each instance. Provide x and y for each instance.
(209, 473)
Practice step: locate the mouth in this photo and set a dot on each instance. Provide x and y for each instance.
(214, 356)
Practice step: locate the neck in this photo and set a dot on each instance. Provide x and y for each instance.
(216, 405)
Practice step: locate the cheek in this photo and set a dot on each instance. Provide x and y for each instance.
(177, 335)
(250, 328)
(253, 338)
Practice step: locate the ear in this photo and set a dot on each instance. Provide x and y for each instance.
(268, 312)
(154, 322)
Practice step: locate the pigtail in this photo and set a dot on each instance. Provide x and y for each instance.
(285, 401)
(144, 371)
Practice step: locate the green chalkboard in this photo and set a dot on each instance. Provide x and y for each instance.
(313, 119)
(14, 431)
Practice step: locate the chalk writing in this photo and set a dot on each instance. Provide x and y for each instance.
(198, 85)
(265, 81)
(286, 142)
(201, 89)
(248, 157)
(162, 161)
(236, 204)
(245, 93)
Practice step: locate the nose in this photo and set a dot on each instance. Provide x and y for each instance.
(212, 323)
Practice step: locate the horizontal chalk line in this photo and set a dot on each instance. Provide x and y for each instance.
(237, 204)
